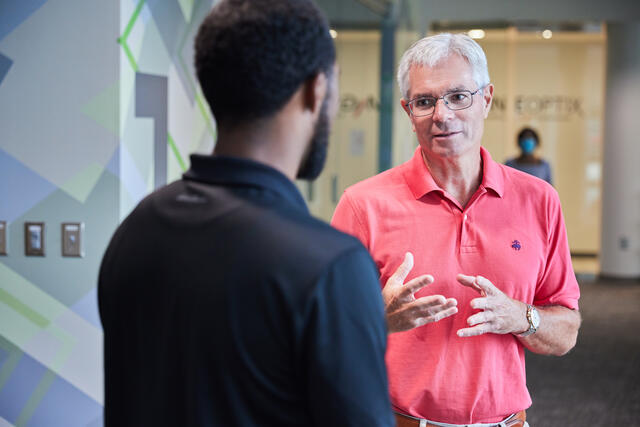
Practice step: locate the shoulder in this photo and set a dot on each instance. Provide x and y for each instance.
(315, 240)
(150, 203)
(139, 216)
(511, 162)
(524, 186)
(141, 224)
(312, 253)
(386, 185)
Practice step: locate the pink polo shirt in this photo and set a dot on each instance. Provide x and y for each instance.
(511, 232)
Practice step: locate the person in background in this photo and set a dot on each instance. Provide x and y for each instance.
(527, 161)
(492, 239)
(223, 301)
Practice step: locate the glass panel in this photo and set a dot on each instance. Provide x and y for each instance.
(353, 146)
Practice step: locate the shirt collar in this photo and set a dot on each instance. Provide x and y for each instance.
(421, 182)
(243, 172)
(492, 177)
(418, 176)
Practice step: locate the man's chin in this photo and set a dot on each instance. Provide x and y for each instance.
(316, 155)
(308, 172)
(449, 148)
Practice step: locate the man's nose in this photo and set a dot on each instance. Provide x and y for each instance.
(441, 112)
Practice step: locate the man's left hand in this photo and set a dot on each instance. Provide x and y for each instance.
(500, 314)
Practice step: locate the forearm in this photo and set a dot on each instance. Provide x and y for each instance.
(557, 333)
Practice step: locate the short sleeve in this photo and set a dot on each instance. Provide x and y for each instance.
(346, 219)
(558, 284)
(344, 346)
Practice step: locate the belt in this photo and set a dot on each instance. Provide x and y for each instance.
(402, 420)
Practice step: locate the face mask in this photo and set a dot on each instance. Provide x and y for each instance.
(527, 145)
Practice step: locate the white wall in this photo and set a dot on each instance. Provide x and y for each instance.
(557, 87)
(353, 148)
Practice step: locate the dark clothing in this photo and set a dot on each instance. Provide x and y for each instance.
(541, 170)
(224, 303)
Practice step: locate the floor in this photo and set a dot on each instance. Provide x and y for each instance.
(598, 382)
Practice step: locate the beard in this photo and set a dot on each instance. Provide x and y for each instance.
(316, 155)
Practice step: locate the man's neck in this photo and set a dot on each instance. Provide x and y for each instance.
(270, 144)
(528, 158)
(459, 176)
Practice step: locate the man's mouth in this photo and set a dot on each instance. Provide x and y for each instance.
(444, 134)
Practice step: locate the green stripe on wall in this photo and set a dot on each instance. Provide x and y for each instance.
(176, 153)
(23, 309)
(123, 39)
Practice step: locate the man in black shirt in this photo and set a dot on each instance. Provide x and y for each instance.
(223, 301)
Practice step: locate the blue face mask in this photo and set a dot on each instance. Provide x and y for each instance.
(527, 145)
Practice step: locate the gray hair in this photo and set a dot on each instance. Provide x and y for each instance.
(429, 51)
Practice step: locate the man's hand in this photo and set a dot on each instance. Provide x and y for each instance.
(500, 315)
(403, 310)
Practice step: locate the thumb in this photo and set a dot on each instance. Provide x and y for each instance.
(403, 270)
(469, 281)
(486, 285)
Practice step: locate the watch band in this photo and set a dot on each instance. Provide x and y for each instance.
(533, 319)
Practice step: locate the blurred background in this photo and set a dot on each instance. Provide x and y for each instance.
(99, 106)
(548, 71)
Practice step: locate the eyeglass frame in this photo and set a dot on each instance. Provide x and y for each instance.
(437, 98)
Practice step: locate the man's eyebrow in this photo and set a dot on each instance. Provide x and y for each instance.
(422, 95)
(430, 95)
(457, 89)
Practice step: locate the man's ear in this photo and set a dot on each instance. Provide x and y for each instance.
(405, 107)
(315, 89)
(487, 97)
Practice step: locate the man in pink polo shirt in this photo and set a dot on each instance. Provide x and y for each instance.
(491, 238)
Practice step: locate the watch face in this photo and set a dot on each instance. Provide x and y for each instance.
(535, 317)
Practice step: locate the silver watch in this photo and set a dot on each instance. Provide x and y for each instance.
(533, 317)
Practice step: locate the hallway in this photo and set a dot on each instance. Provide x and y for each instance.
(598, 383)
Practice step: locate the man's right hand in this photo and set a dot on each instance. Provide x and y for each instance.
(403, 310)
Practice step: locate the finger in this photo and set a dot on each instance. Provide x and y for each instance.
(480, 329)
(403, 269)
(431, 304)
(482, 317)
(486, 285)
(414, 285)
(445, 313)
(469, 281)
(420, 305)
(479, 303)
(436, 317)
(433, 312)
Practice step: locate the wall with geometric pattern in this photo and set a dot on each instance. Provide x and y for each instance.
(98, 106)
(163, 115)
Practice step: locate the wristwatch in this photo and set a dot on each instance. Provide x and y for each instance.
(533, 317)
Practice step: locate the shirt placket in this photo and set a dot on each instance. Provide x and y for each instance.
(468, 242)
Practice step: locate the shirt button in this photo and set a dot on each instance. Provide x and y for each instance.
(464, 218)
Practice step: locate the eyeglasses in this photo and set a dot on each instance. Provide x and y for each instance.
(457, 100)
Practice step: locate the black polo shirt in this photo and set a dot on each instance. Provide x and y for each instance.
(224, 302)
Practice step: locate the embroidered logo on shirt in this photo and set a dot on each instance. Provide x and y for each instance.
(516, 245)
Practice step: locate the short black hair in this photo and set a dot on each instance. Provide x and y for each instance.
(525, 132)
(252, 55)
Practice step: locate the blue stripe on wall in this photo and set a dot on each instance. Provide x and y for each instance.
(14, 13)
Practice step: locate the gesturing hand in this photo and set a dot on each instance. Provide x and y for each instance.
(500, 315)
(403, 310)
